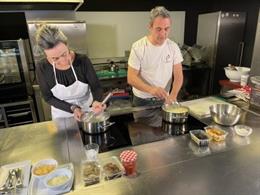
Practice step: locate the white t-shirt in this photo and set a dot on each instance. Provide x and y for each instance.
(155, 63)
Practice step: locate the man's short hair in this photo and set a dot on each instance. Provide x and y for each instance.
(159, 11)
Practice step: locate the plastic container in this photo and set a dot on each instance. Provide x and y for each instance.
(200, 137)
(244, 79)
(128, 159)
(91, 172)
(112, 168)
(91, 151)
(255, 93)
(216, 133)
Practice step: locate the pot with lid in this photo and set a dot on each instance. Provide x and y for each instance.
(175, 113)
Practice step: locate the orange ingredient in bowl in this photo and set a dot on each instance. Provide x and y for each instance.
(43, 169)
(216, 134)
(216, 131)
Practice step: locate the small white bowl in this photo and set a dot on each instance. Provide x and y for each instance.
(243, 130)
(52, 181)
(43, 163)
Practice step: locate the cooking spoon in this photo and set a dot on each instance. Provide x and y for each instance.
(90, 115)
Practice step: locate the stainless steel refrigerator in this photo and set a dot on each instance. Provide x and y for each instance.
(222, 34)
(255, 65)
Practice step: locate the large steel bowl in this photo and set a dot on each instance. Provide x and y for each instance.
(225, 114)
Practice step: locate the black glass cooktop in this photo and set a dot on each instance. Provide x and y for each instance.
(139, 128)
(116, 136)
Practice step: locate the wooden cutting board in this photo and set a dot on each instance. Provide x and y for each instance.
(200, 107)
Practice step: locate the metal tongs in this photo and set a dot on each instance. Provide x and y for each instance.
(13, 181)
(91, 114)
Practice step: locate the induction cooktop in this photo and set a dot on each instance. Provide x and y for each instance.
(116, 136)
(135, 129)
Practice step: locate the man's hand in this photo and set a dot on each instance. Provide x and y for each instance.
(159, 92)
(170, 99)
(98, 107)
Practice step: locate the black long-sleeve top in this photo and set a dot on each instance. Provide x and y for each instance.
(84, 71)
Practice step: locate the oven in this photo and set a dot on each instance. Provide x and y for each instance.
(14, 76)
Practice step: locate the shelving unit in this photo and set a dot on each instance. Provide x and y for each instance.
(17, 113)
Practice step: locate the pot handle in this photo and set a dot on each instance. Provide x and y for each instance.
(180, 117)
(105, 126)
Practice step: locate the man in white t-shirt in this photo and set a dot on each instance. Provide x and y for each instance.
(153, 62)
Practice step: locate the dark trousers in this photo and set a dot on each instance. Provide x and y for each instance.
(146, 102)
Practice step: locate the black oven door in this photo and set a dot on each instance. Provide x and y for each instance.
(12, 81)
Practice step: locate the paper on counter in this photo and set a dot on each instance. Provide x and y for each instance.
(200, 107)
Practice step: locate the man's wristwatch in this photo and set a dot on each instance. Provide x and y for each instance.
(73, 107)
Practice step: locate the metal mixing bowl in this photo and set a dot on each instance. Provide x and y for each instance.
(225, 114)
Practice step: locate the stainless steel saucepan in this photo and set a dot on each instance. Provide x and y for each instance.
(175, 113)
(97, 124)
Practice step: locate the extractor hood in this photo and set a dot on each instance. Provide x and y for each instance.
(7, 5)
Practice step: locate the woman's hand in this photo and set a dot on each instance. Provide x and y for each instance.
(78, 114)
(98, 107)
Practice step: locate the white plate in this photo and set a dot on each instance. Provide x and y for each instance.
(26, 171)
(37, 185)
(243, 130)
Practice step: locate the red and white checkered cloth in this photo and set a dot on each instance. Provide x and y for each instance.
(128, 156)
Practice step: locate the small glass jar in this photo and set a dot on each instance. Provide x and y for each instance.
(130, 168)
(128, 159)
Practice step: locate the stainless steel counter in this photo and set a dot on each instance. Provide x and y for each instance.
(178, 166)
(59, 139)
(171, 166)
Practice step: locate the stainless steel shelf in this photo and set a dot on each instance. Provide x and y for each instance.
(20, 123)
(17, 110)
(17, 113)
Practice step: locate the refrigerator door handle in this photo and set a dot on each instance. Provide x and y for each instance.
(241, 52)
